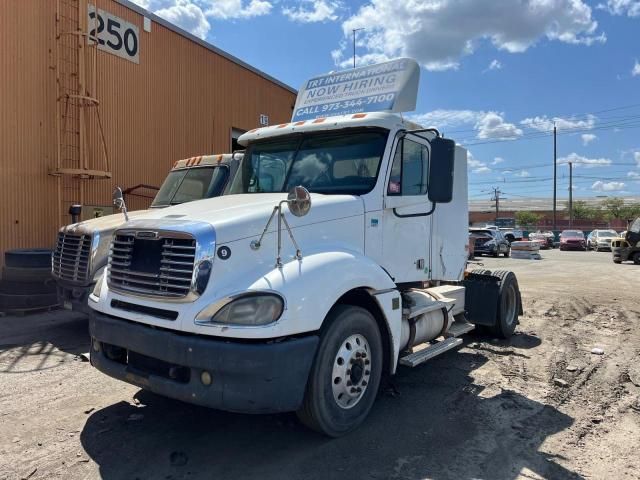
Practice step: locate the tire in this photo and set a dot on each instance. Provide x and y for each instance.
(507, 254)
(326, 408)
(617, 261)
(15, 274)
(636, 258)
(28, 258)
(509, 305)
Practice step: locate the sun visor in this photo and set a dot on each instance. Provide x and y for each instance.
(385, 87)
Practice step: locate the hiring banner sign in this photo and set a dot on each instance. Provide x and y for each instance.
(385, 87)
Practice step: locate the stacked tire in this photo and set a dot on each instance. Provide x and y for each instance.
(26, 282)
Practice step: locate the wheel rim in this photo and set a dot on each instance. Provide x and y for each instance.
(511, 301)
(351, 371)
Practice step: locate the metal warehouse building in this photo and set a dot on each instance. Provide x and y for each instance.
(99, 93)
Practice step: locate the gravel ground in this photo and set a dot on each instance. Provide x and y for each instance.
(538, 406)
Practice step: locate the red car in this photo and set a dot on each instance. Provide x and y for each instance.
(572, 240)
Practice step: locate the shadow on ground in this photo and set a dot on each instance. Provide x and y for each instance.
(432, 422)
(41, 341)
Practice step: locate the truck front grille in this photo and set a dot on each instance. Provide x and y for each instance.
(70, 259)
(161, 267)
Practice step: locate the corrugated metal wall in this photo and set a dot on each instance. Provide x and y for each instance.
(181, 100)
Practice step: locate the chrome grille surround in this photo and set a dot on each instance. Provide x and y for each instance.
(172, 276)
(71, 258)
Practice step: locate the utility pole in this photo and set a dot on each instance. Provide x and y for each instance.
(555, 168)
(570, 194)
(354, 44)
(496, 198)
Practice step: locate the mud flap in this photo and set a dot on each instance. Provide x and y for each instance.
(481, 298)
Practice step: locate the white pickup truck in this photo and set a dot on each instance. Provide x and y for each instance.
(82, 249)
(338, 255)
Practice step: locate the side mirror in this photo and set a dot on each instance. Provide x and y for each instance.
(118, 202)
(118, 198)
(299, 201)
(440, 186)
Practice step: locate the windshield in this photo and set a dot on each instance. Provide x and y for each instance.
(191, 184)
(572, 233)
(325, 162)
(607, 234)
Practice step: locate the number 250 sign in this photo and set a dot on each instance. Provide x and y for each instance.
(114, 35)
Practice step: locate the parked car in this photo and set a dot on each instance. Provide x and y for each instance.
(601, 239)
(545, 239)
(572, 240)
(490, 241)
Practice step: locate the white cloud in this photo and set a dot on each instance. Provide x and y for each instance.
(636, 69)
(545, 124)
(439, 33)
(442, 118)
(310, 11)
(193, 15)
(476, 165)
(587, 138)
(497, 160)
(488, 125)
(600, 186)
(184, 14)
(630, 8)
(636, 157)
(495, 65)
(579, 160)
(492, 125)
(634, 175)
(229, 9)
(523, 174)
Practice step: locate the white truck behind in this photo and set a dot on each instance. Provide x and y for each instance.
(339, 255)
(82, 249)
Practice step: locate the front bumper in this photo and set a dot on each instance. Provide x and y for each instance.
(573, 246)
(246, 377)
(75, 298)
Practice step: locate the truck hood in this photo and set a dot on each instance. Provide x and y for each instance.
(103, 224)
(245, 215)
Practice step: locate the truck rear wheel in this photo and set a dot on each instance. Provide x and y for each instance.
(345, 376)
(636, 258)
(508, 305)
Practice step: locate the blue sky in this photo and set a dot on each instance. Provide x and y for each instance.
(495, 74)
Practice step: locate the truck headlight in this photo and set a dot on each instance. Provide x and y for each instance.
(251, 309)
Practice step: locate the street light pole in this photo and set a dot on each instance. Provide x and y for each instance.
(555, 168)
(570, 195)
(354, 44)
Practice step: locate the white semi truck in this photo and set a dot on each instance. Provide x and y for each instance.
(82, 249)
(339, 254)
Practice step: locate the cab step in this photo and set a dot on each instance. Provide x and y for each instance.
(459, 328)
(416, 358)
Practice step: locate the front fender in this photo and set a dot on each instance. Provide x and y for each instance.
(313, 285)
(310, 287)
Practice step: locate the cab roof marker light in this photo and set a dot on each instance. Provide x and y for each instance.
(283, 125)
(319, 120)
(298, 124)
(359, 115)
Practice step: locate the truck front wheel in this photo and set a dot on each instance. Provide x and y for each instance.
(345, 376)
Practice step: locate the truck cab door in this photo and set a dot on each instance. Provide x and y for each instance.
(406, 212)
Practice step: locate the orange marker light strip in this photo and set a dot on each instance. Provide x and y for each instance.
(359, 115)
(319, 120)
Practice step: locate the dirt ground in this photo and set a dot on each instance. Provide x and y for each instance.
(538, 406)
